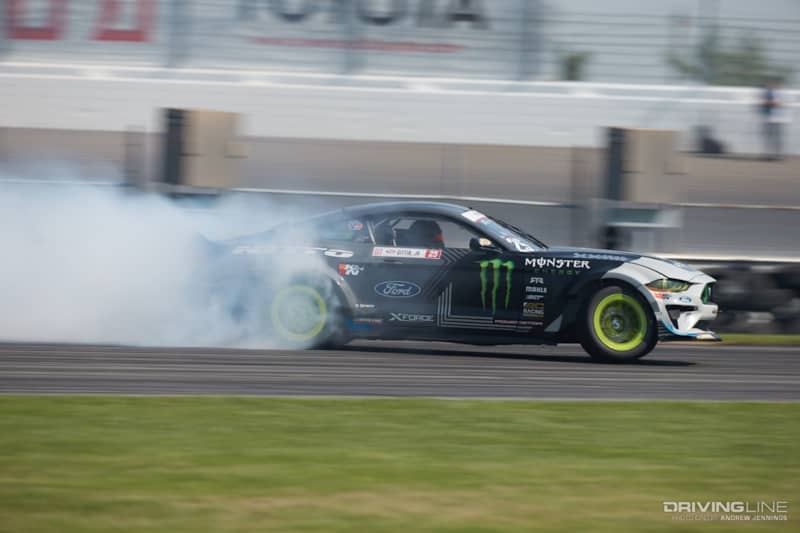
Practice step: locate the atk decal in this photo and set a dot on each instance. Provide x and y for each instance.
(397, 289)
(346, 269)
(496, 266)
(407, 253)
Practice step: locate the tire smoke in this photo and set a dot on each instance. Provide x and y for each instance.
(92, 264)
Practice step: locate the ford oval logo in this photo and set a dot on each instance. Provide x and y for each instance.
(397, 289)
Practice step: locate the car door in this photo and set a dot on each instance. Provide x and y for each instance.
(401, 271)
(483, 291)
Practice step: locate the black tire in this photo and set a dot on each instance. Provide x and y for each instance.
(617, 325)
(305, 314)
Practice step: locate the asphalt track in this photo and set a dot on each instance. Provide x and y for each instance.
(403, 369)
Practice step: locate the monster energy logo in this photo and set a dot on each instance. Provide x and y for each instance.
(497, 265)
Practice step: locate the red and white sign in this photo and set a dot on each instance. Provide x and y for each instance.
(112, 20)
(407, 253)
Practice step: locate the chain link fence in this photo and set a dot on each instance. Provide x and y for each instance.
(498, 39)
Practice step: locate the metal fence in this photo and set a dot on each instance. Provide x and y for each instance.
(497, 39)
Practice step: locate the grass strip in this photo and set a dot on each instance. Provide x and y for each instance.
(189, 464)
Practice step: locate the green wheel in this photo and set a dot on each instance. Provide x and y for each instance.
(618, 325)
(303, 316)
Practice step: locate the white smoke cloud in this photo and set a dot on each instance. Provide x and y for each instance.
(93, 264)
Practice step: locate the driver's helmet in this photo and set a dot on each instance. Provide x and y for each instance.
(426, 233)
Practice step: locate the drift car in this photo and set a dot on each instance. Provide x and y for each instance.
(443, 272)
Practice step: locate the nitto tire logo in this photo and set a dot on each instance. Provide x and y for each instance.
(496, 265)
(397, 289)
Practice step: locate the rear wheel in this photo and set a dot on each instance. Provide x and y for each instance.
(618, 326)
(305, 315)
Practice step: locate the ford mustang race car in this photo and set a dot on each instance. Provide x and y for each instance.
(436, 271)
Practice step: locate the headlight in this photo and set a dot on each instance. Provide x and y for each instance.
(668, 285)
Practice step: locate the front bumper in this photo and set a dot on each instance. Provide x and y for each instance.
(684, 315)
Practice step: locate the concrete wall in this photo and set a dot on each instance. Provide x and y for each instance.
(556, 174)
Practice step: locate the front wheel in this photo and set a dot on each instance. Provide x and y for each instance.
(618, 326)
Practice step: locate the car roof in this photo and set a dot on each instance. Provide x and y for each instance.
(432, 208)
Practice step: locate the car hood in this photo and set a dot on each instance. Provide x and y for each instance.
(664, 267)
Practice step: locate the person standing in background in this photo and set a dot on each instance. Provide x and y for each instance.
(774, 115)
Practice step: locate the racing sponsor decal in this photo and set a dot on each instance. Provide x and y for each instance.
(363, 324)
(344, 254)
(365, 306)
(346, 269)
(409, 317)
(495, 266)
(397, 289)
(520, 245)
(536, 289)
(556, 263)
(368, 320)
(473, 216)
(262, 249)
(533, 280)
(534, 297)
(355, 225)
(601, 257)
(533, 309)
(407, 253)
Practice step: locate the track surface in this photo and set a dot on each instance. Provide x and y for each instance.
(404, 369)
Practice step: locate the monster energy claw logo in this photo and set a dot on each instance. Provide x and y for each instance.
(497, 265)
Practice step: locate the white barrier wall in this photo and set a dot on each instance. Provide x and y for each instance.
(384, 109)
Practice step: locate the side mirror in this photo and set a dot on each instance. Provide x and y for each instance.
(482, 244)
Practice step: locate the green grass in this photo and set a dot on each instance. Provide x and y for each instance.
(754, 339)
(259, 464)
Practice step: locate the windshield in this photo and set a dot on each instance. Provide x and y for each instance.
(501, 231)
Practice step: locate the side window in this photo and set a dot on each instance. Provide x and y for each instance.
(456, 235)
(345, 230)
(422, 232)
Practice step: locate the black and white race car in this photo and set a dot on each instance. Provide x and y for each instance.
(436, 271)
